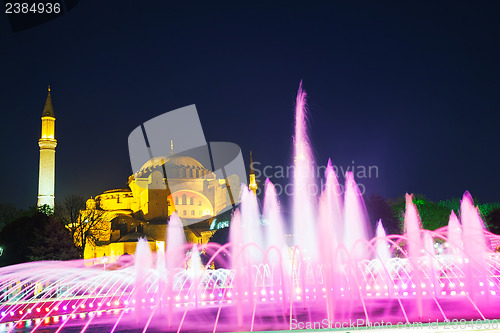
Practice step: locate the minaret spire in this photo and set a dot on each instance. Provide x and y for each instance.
(48, 110)
(47, 143)
(252, 184)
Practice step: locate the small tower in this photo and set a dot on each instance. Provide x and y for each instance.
(47, 143)
(252, 184)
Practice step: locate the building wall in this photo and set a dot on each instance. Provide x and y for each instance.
(192, 205)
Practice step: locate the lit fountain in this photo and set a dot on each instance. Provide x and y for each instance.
(334, 275)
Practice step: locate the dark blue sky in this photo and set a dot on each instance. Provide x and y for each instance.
(410, 87)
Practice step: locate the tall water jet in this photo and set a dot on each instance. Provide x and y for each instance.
(330, 224)
(331, 210)
(429, 250)
(241, 280)
(474, 242)
(194, 267)
(277, 250)
(355, 221)
(143, 265)
(174, 258)
(329, 233)
(455, 244)
(381, 245)
(176, 240)
(251, 224)
(413, 227)
(161, 271)
(274, 225)
(382, 261)
(304, 181)
(195, 272)
(473, 229)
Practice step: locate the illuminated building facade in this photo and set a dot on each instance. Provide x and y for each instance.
(142, 208)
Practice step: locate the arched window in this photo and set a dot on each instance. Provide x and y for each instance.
(184, 213)
(192, 213)
(176, 200)
(191, 201)
(184, 199)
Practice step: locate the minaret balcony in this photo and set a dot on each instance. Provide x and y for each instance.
(47, 143)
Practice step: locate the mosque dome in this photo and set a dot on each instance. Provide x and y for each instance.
(177, 166)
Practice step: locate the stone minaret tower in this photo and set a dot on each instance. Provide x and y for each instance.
(252, 184)
(47, 145)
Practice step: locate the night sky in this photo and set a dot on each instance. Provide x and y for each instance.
(410, 87)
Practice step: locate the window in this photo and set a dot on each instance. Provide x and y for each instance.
(191, 201)
(199, 203)
(184, 213)
(176, 200)
(192, 213)
(184, 199)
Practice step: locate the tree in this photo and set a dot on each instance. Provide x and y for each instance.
(493, 220)
(46, 209)
(89, 227)
(17, 237)
(433, 215)
(9, 213)
(85, 224)
(36, 237)
(53, 241)
(70, 209)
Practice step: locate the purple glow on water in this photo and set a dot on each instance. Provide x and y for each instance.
(332, 272)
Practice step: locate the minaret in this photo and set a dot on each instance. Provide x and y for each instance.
(252, 184)
(47, 145)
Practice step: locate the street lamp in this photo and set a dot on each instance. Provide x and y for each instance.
(104, 260)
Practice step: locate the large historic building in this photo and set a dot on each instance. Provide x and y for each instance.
(142, 209)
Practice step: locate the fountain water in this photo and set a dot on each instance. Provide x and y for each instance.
(332, 276)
